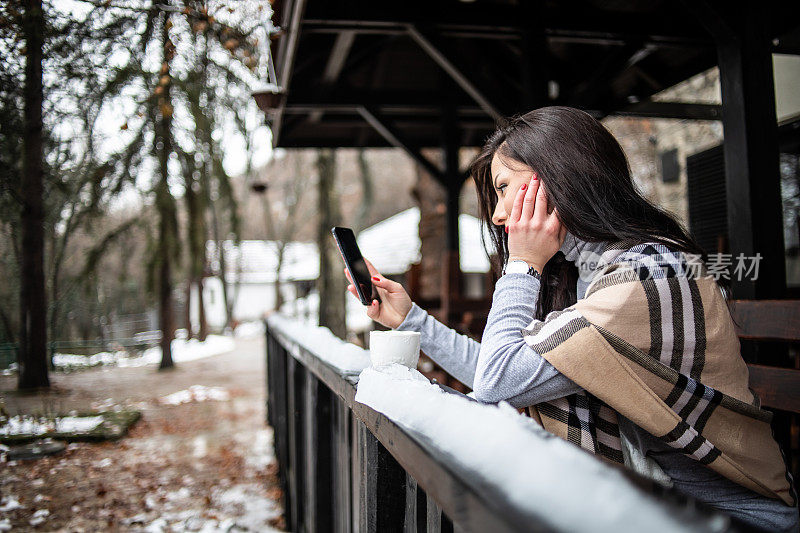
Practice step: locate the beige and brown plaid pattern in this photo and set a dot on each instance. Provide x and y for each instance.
(660, 349)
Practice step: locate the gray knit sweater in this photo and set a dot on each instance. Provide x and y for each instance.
(504, 367)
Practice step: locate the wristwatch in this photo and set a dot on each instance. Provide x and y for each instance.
(518, 266)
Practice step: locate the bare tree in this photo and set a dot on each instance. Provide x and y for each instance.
(165, 202)
(367, 192)
(286, 213)
(331, 283)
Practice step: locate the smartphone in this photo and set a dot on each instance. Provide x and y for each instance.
(356, 266)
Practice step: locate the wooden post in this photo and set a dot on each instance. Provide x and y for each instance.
(755, 222)
(356, 475)
(451, 270)
(296, 391)
(391, 490)
(381, 484)
(535, 58)
(451, 286)
(277, 413)
(434, 517)
(318, 455)
(416, 518)
(342, 522)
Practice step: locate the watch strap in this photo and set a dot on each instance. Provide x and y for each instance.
(531, 271)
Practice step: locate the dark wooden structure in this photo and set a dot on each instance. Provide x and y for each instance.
(345, 467)
(776, 381)
(440, 73)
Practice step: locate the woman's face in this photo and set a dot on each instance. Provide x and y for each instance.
(508, 176)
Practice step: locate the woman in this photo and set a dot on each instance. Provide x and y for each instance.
(626, 348)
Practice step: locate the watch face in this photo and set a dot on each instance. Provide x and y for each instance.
(517, 267)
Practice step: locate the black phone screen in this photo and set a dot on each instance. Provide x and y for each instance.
(354, 261)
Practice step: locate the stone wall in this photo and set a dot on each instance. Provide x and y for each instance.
(644, 140)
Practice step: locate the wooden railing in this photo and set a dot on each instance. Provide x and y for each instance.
(346, 467)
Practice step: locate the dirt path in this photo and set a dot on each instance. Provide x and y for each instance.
(197, 466)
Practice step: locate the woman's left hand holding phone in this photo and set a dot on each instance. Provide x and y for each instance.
(395, 301)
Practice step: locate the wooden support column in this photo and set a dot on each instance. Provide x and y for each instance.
(295, 379)
(277, 413)
(342, 522)
(453, 179)
(318, 455)
(535, 58)
(416, 520)
(380, 484)
(752, 177)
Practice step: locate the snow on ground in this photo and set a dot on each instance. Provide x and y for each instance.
(67, 360)
(192, 466)
(247, 330)
(536, 471)
(28, 425)
(9, 503)
(196, 393)
(182, 350)
(190, 350)
(39, 517)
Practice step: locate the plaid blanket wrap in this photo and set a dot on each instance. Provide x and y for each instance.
(654, 341)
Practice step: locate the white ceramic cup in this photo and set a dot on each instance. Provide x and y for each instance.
(394, 347)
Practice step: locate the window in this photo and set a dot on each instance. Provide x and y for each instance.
(670, 168)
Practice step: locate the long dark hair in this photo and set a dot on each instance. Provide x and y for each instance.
(587, 178)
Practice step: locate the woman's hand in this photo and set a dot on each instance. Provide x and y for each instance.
(534, 235)
(395, 301)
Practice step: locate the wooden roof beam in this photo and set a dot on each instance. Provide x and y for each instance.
(336, 61)
(511, 35)
(646, 109)
(615, 63)
(679, 110)
(462, 80)
(395, 139)
(656, 26)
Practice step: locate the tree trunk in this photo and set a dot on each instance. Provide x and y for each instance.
(278, 295)
(430, 197)
(367, 193)
(33, 301)
(223, 267)
(166, 315)
(188, 310)
(201, 308)
(165, 204)
(331, 283)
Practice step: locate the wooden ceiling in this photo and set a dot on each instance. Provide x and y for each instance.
(367, 73)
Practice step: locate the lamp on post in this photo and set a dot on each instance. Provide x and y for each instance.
(259, 186)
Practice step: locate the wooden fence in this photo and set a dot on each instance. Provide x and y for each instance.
(345, 467)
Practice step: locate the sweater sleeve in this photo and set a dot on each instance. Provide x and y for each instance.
(456, 353)
(508, 368)
(503, 367)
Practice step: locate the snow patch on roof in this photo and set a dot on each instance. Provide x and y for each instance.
(392, 245)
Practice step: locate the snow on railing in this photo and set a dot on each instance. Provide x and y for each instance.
(344, 356)
(486, 466)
